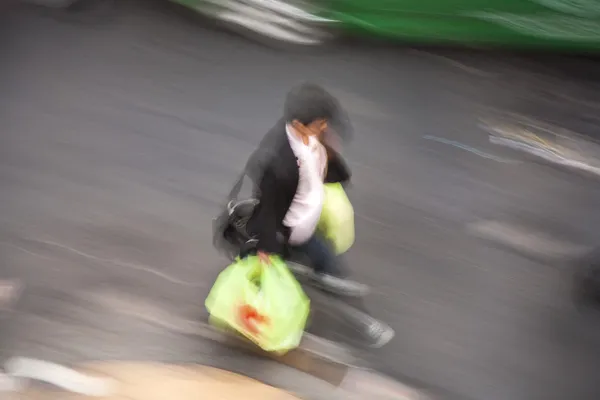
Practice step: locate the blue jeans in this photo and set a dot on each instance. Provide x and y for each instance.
(321, 256)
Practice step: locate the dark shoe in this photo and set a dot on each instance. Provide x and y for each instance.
(379, 333)
(340, 286)
(300, 270)
(329, 283)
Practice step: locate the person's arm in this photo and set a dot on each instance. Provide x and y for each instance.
(265, 219)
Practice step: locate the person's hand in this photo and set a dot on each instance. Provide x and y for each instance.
(263, 257)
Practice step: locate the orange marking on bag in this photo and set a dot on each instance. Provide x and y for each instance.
(250, 318)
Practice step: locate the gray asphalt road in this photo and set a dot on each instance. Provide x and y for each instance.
(119, 139)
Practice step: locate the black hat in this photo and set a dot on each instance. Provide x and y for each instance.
(308, 101)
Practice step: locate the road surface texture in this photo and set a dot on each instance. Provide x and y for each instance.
(121, 136)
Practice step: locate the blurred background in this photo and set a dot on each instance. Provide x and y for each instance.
(125, 123)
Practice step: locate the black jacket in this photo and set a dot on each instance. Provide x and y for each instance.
(274, 169)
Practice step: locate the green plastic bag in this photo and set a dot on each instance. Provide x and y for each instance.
(263, 302)
(337, 218)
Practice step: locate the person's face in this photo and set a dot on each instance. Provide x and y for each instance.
(316, 128)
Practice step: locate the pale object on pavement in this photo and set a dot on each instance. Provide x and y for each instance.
(9, 291)
(155, 381)
(60, 376)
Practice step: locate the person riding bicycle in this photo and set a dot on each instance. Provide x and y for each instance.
(288, 169)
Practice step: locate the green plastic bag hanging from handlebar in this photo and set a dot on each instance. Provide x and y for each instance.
(263, 302)
(337, 218)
